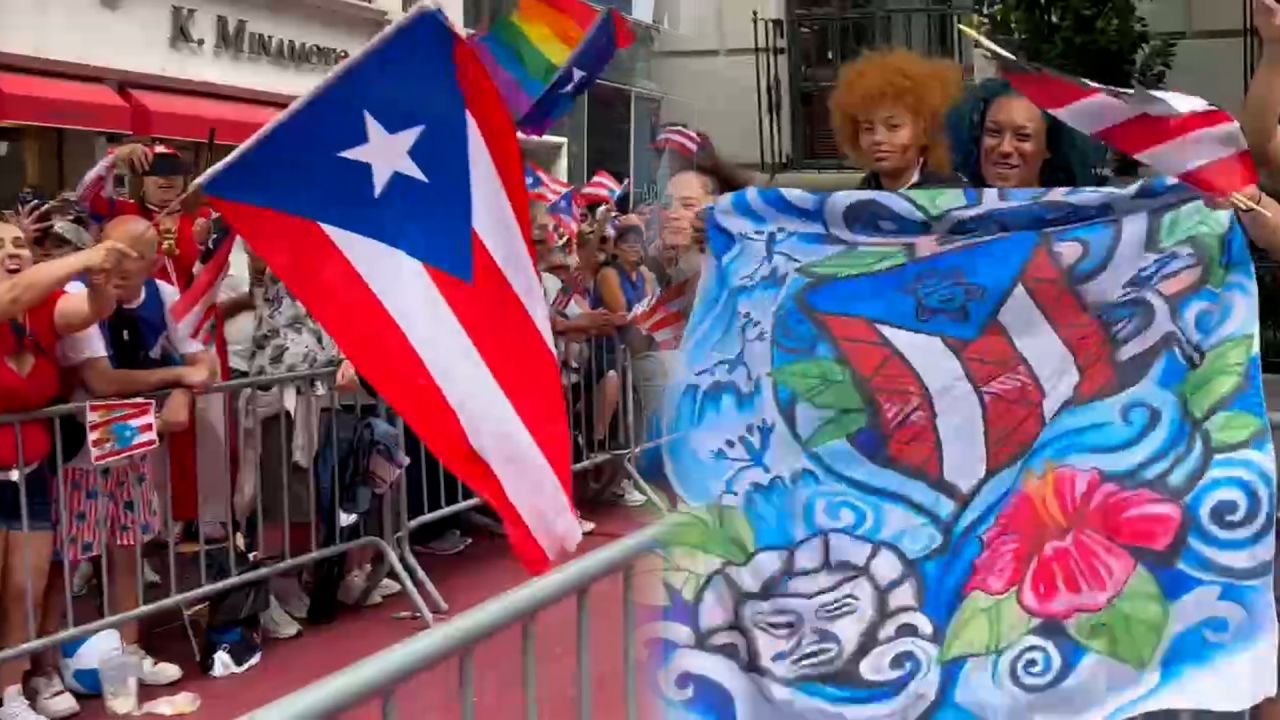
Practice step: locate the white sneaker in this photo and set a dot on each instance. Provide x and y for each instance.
(80, 579)
(155, 672)
(276, 623)
(352, 588)
(387, 588)
(52, 699)
(16, 706)
(629, 496)
(288, 592)
(149, 575)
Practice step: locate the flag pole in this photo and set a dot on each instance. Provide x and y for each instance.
(1239, 201)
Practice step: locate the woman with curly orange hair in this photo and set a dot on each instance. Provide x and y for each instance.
(888, 110)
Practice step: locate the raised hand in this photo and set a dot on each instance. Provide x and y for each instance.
(32, 220)
(135, 158)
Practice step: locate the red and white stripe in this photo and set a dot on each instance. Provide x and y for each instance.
(664, 316)
(196, 308)
(470, 365)
(678, 138)
(1178, 135)
(953, 412)
(98, 182)
(549, 187)
(565, 214)
(602, 188)
(103, 415)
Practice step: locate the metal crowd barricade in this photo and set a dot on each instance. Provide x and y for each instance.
(378, 676)
(593, 371)
(184, 593)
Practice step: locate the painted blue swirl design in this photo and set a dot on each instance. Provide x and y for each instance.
(1231, 519)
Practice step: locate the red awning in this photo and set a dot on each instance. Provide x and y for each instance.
(191, 117)
(38, 100)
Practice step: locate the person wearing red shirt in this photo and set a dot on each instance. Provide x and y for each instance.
(34, 313)
(197, 471)
(163, 180)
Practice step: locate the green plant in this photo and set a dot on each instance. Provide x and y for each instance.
(1107, 41)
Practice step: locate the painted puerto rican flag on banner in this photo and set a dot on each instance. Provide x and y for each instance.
(963, 374)
(1178, 135)
(118, 429)
(391, 203)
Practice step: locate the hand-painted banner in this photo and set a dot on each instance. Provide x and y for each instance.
(969, 454)
(120, 428)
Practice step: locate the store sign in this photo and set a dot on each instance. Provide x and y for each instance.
(234, 36)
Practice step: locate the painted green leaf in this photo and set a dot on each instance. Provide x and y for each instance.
(939, 202)
(859, 261)
(837, 427)
(1210, 249)
(1131, 627)
(1218, 378)
(1233, 430)
(824, 384)
(697, 531)
(735, 526)
(681, 569)
(985, 625)
(1190, 221)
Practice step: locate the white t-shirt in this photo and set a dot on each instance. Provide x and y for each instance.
(88, 344)
(550, 287)
(239, 329)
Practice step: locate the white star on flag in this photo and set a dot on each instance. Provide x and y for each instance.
(386, 153)
(578, 77)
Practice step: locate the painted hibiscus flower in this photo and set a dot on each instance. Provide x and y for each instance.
(1062, 542)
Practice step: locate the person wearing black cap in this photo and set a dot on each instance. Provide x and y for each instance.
(163, 180)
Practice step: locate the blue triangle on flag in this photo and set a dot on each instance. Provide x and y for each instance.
(953, 294)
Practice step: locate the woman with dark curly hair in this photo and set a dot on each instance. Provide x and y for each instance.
(888, 109)
(1000, 139)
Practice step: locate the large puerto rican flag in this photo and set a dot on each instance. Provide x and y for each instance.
(967, 365)
(391, 203)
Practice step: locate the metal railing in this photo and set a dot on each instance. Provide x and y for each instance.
(83, 494)
(378, 676)
(278, 524)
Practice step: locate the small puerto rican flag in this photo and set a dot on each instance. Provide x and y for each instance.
(120, 428)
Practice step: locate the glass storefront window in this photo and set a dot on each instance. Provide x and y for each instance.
(13, 166)
(644, 174)
(608, 131)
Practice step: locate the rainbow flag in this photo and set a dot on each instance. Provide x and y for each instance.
(546, 53)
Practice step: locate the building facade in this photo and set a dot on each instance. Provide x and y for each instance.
(760, 69)
(79, 75)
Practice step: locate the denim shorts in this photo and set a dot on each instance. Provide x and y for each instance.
(39, 501)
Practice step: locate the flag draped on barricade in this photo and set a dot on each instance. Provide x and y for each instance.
(390, 202)
(982, 453)
(663, 316)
